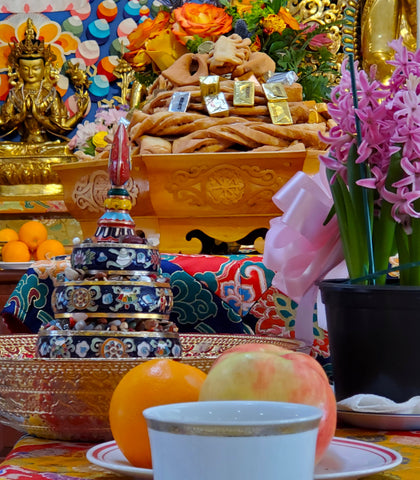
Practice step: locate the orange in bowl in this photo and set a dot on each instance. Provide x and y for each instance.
(8, 234)
(15, 251)
(155, 382)
(33, 233)
(48, 249)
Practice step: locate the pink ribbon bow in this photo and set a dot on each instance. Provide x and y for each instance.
(299, 248)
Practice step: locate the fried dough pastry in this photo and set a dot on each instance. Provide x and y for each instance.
(157, 145)
(251, 135)
(258, 63)
(247, 128)
(173, 124)
(228, 53)
(187, 69)
(194, 132)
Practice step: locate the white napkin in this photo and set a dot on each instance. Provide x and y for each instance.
(376, 404)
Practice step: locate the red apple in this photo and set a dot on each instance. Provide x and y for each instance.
(269, 372)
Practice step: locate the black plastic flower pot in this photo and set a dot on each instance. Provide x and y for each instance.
(374, 335)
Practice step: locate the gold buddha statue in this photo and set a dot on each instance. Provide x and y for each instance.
(35, 110)
(381, 22)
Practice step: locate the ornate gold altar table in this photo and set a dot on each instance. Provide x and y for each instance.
(39, 459)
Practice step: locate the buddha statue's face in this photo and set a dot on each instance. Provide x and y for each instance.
(31, 71)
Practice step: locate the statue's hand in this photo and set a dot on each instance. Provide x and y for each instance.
(28, 103)
(82, 102)
(36, 112)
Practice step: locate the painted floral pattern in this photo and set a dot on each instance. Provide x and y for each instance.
(40, 459)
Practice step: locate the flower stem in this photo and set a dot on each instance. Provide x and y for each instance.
(383, 239)
(351, 228)
(403, 253)
(414, 246)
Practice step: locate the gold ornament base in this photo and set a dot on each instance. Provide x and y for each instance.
(26, 169)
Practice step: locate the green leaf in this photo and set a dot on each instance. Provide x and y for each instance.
(277, 4)
(193, 45)
(90, 149)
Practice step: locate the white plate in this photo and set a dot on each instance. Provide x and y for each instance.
(380, 421)
(345, 459)
(15, 265)
(108, 455)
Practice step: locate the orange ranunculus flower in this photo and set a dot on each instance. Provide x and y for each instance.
(202, 19)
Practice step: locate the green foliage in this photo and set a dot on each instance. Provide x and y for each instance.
(193, 45)
(316, 67)
(90, 149)
(146, 77)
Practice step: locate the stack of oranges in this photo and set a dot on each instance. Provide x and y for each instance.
(30, 242)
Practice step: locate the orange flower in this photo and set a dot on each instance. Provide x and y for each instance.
(206, 21)
(288, 19)
(146, 30)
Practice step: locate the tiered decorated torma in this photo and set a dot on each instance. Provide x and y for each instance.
(114, 285)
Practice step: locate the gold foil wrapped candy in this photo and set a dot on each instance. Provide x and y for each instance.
(274, 91)
(243, 93)
(209, 85)
(280, 112)
(217, 105)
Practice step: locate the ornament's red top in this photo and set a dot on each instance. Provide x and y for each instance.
(119, 165)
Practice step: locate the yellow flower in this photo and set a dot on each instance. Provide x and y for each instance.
(202, 19)
(99, 139)
(164, 49)
(148, 29)
(154, 43)
(273, 23)
(242, 6)
(277, 23)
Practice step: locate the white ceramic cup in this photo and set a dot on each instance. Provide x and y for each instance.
(233, 440)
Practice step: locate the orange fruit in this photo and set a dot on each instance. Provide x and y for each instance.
(15, 251)
(33, 233)
(49, 249)
(155, 382)
(7, 234)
